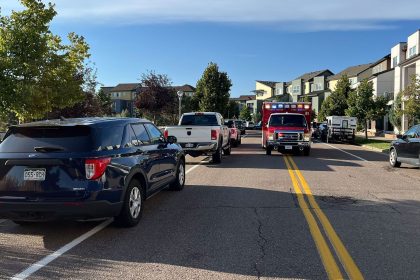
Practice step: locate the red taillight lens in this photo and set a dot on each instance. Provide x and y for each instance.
(213, 134)
(165, 134)
(96, 167)
(232, 131)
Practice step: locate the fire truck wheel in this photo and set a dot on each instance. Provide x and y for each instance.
(268, 150)
(307, 151)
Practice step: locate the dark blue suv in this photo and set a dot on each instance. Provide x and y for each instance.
(86, 168)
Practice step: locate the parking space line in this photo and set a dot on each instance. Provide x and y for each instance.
(197, 165)
(45, 261)
(353, 155)
(346, 260)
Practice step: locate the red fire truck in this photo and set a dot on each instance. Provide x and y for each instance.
(286, 127)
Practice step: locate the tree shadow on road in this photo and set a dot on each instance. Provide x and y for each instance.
(229, 232)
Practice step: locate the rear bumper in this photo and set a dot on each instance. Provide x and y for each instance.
(50, 211)
(199, 147)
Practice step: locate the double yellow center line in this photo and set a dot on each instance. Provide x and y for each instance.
(328, 260)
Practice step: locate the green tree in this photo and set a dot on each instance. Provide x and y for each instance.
(336, 103)
(411, 94)
(105, 102)
(362, 105)
(396, 112)
(232, 110)
(257, 117)
(212, 91)
(283, 98)
(37, 71)
(157, 97)
(245, 114)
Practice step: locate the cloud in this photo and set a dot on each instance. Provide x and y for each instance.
(293, 14)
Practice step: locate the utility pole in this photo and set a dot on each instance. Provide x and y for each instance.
(180, 94)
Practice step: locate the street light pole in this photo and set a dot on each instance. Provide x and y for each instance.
(180, 94)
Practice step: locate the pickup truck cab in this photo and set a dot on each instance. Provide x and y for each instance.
(202, 133)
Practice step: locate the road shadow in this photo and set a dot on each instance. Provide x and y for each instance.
(236, 231)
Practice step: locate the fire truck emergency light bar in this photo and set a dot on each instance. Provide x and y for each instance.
(286, 106)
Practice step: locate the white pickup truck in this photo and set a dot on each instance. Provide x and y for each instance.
(202, 133)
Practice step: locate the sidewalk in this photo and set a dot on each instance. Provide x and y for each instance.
(379, 138)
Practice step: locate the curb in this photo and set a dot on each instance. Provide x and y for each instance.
(385, 151)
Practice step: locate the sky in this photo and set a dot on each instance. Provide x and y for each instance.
(275, 40)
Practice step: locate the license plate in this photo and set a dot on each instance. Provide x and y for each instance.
(34, 174)
(189, 145)
(288, 147)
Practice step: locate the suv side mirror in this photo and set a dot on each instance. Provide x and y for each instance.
(171, 139)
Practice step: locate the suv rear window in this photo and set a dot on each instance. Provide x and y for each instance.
(25, 139)
(204, 120)
(287, 120)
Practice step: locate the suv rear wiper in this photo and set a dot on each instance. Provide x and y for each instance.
(48, 149)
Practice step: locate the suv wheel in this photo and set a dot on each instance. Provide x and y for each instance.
(132, 209)
(393, 159)
(179, 182)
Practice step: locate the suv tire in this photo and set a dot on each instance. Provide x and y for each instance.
(133, 203)
(179, 182)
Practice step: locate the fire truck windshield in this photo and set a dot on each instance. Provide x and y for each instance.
(287, 120)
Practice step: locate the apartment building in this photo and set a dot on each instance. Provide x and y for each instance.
(405, 57)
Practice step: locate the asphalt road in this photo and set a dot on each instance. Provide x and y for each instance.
(341, 212)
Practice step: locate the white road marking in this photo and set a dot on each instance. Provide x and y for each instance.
(45, 261)
(353, 155)
(197, 165)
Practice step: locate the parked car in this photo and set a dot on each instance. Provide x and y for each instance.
(202, 133)
(85, 168)
(321, 132)
(240, 125)
(406, 148)
(235, 133)
(249, 125)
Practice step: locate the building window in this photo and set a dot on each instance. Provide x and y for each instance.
(353, 80)
(317, 86)
(412, 51)
(377, 69)
(296, 89)
(394, 61)
(279, 91)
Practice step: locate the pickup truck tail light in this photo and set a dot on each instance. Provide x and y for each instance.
(213, 134)
(165, 134)
(95, 168)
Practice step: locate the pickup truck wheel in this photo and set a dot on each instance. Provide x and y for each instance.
(217, 156)
(306, 151)
(179, 182)
(234, 142)
(228, 150)
(132, 209)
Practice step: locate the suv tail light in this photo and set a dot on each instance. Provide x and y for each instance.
(95, 168)
(232, 131)
(213, 134)
(166, 134)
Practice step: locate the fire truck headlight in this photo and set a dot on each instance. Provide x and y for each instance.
(307, 137)
(271, 137)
